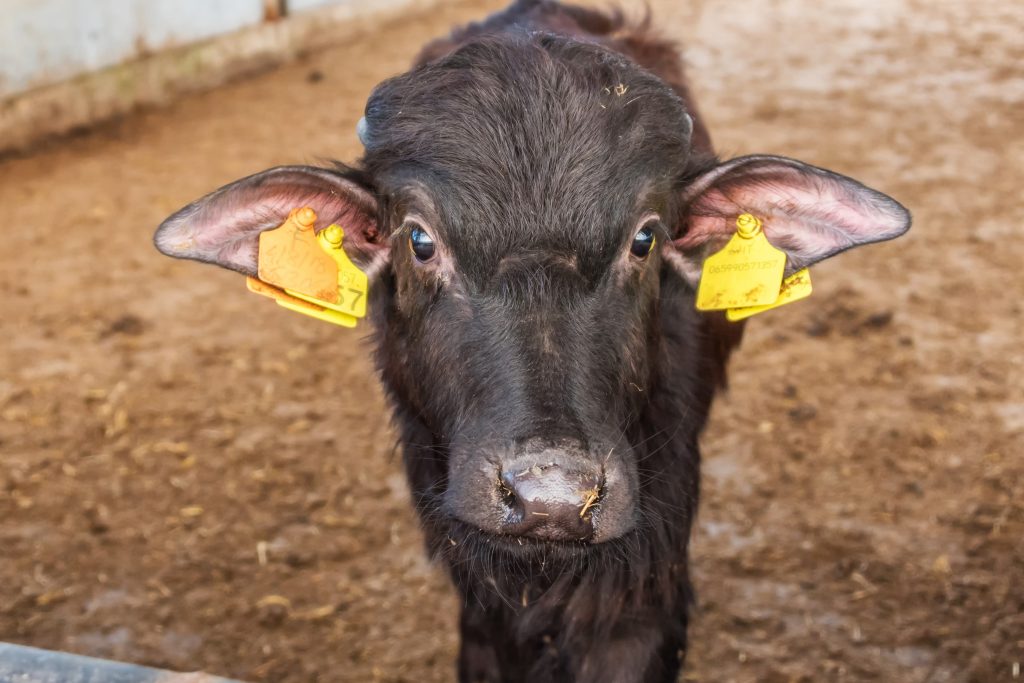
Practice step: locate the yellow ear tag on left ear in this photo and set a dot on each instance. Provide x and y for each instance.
(747, 272)
(795, 287)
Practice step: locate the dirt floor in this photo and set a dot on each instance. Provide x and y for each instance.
(193, 478)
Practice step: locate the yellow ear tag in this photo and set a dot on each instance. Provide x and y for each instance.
(747, 272)
(291, 258)
(352, 283)
(308, 273)
(795, 287)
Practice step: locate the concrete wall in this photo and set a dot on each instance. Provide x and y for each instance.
(47, 41)
(69, 64)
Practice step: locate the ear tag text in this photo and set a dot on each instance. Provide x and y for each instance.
(309, 273)
(747, 272)
(795, 287)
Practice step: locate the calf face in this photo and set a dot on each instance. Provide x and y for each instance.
(527, 326)
(534, 219)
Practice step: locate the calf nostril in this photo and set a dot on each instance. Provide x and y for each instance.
(591, 498)
(508, 496)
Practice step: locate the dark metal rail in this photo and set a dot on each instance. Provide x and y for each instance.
(20, 664)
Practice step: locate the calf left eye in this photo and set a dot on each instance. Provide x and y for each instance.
(643, 242)
(422, 244)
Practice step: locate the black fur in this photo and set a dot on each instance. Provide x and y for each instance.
(533, 168)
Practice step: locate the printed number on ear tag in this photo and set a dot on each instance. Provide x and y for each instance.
(747, 272)
(309, 273)
(795, 287)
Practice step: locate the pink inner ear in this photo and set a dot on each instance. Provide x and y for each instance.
(224, 226)
(808, 212)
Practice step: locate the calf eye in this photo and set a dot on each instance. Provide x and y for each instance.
(643, 242)
(422, 244)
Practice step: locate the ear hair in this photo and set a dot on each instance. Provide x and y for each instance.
(224, 226)
(808, 212)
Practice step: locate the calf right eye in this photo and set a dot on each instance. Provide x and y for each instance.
(422, 244)
(643, 242)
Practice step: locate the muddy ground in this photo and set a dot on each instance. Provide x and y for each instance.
(193, 478)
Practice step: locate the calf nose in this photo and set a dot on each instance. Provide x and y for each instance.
(550, 502)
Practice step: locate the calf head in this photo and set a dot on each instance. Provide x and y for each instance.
(532, 214)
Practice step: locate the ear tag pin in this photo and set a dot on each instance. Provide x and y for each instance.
(747, 272)
(309, 273)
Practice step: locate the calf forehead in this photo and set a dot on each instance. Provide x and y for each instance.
(529, 143)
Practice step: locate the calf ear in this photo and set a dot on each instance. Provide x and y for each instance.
(224, 226)
(807, 212)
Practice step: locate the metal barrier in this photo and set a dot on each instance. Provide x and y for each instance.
(20, 664)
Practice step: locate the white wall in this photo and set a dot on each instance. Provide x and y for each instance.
(299, 5)
(48, 41)
(59, 58)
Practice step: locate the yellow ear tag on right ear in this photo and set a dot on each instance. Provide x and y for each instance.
(290, 258)
(747, 272)
(795, 287)
(352, 283)
(310, 273)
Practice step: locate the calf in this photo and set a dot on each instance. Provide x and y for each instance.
(535, 203)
